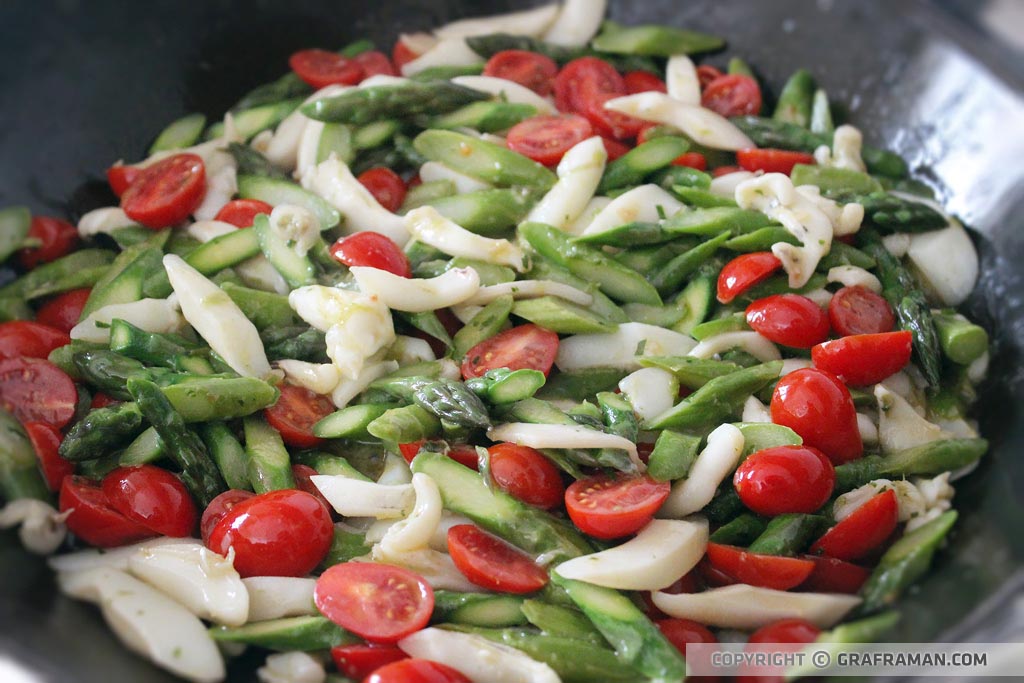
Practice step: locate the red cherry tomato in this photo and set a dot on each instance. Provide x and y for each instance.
(546, 139)
(745, 271)
(36, 390)
(732, 95)
(23, 338)
(302, 474)
(526, 474)
(771, 160)
(755, 569)
(46, 443)
(610, 506)
(218, 507)
(863, 359)
(683, 632)
(530, 69)
(242, 213)
(607, 122)
(864, 530)
(613, 148)
(526, 347)
(834, 576)
(279, 533)
(57, 238)
(858, 310)
(706, 74)
(785, 479)
(295, 413)
(643, 81)
(101, 400)
(789, 319)
(584, 85)
(491, 563)
(724, 170)
(464, 454)
(386, 186)
(416, 671)
(120, 176)
(375, 63)
(378, 602)
(691, 160)
(93, 519)
(321, 68)
(795, 632)
(371, 249)
(360, 660)
(63, 311)
(153, 497)
(402, 54)
(167, 192)
(817, 405)
(713, 577)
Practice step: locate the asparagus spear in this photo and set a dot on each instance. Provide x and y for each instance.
(404, 425)
(14, 224)
(928, 459)
(653, 40)
(673, 455)
(821, 114)
(633, 166)
(401, 101)
(478, 609)
(20, 476)
(674, 273)
(269, 466)
(962, 341)
(795, 100)
(102, 431)
(447, 399)
(886, 211)
(484, 325)
(717, 399)
(692, 373)
(486, 117)
(740, 531)
(299, 342)
(789, 534)
(82, 268)
(557, 620)
(252, 163)
(487, 212)
(489, 45)
(503, 386)
(482, 159)
(227, 453)
(109, 371)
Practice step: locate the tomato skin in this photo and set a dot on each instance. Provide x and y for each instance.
(278, 533)
(789, 319)
(797, 632)
(785, 479)
(58, 237)
(416, 671)
(706, 74)
(242, 213)
(302, 474)
(371, 249)
(153, 497)
(386, 186)
(46, 442)
(359, 661)
(218, 507)
(167, 192)
(546, 139)
(296, 411)
(24, 338)
(691, 160)
(732, 95)
(724, 170)
(36, 390)
(101, 400)
(858, 310)
(767, 571)
(402, 54)
(643, 81)
(120, 176)
(464, 454)
(864, 530)
(321, 68)
(491, 563)
(771, 160)
(584, 85)
(683, 632)
(863, 359)
(63, 311)
(834, 576)
(526, 474)
(818, 406)
(530, 69)
(613, 148)
(526, 347)
(378, 602)
(611, 506)
(93, 519)
(375, 63)
(607, 122)
(745, 271)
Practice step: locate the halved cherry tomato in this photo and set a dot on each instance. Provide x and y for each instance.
(732, 95)
(612, 506)
(101, 400)
(57, 238)
(295, 413)
(755, 569)
(416, 671)
(46, 443)
(785, 479)
(36, 390)
(713, 577)
(786, 635)
(386, 186)
(771, 160)
(834, 576)
(167, 192)
(863, 359)
(526, 347)
(302, 474)
(491, 563)
(24, 338)
(371, 249)
(858, 310)
(63, 311)
(279, 533)
(530, 69)
(464, 454)
(242, 213)
(402, 54)
(120, 176)
(643, 81)
(375, 63)
(864, 530)
(691, 160)
(218, 508)
(789, 319)
(745, 271)
(153, 497)
(378, 602)
(607, 122)
(584, 85)
(93, 519)
(724, 170)
(526, 474)
(321, 68)
(683, 632)
(360, 660)
(817, 405)
(613, 148)
(706, 74)
(546, 139)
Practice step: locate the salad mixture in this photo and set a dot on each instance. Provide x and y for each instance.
(531, 352)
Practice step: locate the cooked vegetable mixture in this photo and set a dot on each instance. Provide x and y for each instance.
(532, 352)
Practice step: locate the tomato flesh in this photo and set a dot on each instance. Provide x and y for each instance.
(302, 474)
(93, 519)
(732, 95)
(691, 160)
(373, 250)
(242, 213)
(153, 497)
(706, 74)
(612, 506)
(525, 473)
(755, 569)
(863, 531)
(643, 81)
(834, 576)
(745, 271)
(785, 635)
(402, 54)
(57, 238)
(167, 192)
(416, 671)
(46, 443)
(546, 139)
(378, 602)
(23, 338)
(785, 479)
(864, 359)
(818, 406)
(530, 69)
(491, 563)
(613, 148)
(375, 63)
(584, 85)
(36, 390)
(218, 507)
(526, 347)
(789, 319)
(295, 413)
(63, 311)
(464, 454)
(321, 68)
(386, 186)
(858, 310)
(771, 160)
(120, 176)
(359, 661)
